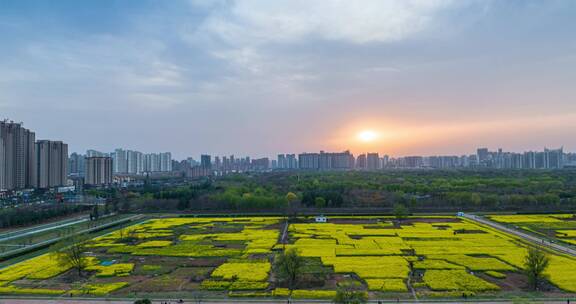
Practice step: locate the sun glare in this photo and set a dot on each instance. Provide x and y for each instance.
(367, 136)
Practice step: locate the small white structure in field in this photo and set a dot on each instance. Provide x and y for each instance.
(321, 219)
(460, 214)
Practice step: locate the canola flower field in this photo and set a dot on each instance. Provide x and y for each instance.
(233, 257)
(559, 226)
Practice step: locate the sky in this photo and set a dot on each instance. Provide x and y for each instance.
(260, 77)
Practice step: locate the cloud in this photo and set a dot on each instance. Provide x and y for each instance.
(299, 46)
(367, 21)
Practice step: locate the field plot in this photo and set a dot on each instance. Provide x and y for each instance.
(216, 257)
(560, 226)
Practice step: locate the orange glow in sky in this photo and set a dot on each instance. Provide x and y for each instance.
(367, 136)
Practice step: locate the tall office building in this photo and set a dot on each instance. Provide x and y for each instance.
(52, 163)
(98, 171)
(17, 156)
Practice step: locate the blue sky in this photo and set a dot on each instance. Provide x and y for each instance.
(263, 77)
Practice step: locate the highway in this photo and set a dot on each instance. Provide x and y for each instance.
(528, 237)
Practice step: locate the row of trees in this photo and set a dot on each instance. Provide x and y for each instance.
(421, 191)
(246, 198)
(28, 215)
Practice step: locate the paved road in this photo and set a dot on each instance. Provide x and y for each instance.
(529, 237)
(54, 240)
(41, 228)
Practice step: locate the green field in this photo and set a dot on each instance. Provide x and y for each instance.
(434, 256)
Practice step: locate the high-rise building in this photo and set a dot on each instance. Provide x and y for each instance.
(152, 162)
(282, 163)
(98, 171)
(529, 160)
(554, 159)
(482, 155)
(361, 161)
(76, 164)
(326, 161)
(413, 161)
(120, 158)
(165, 162)
(372, 161)
(52, 163)
(206, 161)
(291, 161)
(94, 153)
(308, 161)
(134, 162)
(192, 162)
(17, 156)
(260, 164)
(217, 163)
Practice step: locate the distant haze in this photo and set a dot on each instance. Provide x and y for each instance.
(260, 77)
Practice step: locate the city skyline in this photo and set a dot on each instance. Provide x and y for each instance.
(192, 77)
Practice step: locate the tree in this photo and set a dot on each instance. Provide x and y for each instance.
(320, 202)
(71, 252)
(350, 293)
(400, 211)
(291, 197)
(95, 213)
(183, 203)
(107, 207)
(289, 267)
(535, 263)
(126, 205)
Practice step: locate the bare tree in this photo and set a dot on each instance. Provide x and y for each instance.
(71, 252)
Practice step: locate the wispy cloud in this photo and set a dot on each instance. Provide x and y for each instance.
(261, 21)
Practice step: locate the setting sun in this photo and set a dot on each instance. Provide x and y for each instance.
(367, 136)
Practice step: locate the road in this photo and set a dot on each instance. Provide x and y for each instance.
(41, 228)
(54, 240)
(528, 237)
